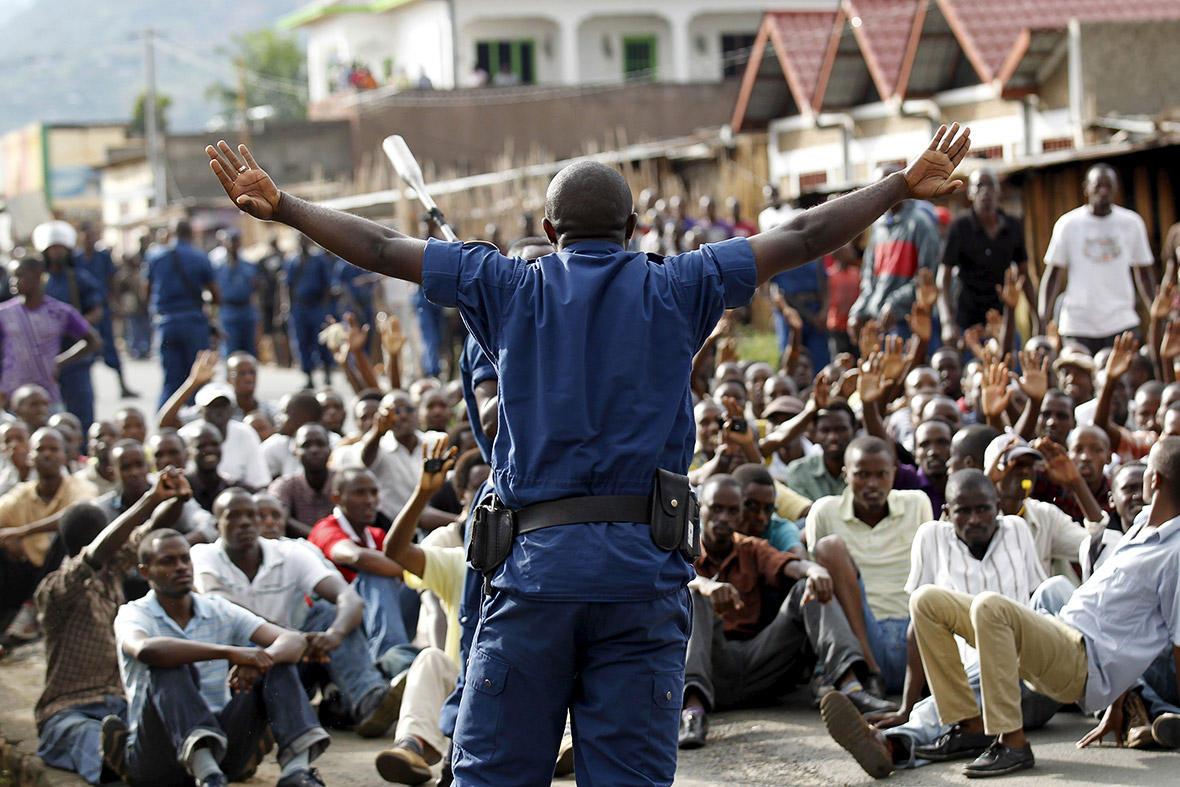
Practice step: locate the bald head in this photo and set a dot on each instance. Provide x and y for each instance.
(588, 200)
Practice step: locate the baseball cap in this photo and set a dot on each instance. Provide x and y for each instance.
(1073, 357)
(212, 392)
(54, 233)
(783, 405)
(1007, 448)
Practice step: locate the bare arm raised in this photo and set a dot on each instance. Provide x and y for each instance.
(364, 243)
(815, 232)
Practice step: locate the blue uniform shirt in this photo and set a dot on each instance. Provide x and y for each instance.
(344, 276)
(593, 349)
(170, 297)
(313, 283)
(100, 267)
(90, 294)
(236, 283)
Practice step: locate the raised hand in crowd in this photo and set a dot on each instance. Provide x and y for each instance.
(872, 383)
(995, 395)
(437, 461)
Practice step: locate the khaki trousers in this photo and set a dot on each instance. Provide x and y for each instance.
(430, 681)
(1014, 643)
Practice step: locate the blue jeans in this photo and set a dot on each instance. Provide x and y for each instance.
(137, 332)
(180, 339)
(176, 720)
(617, 667)
(306, 323)
(77, 391)
(391, 618)
(110, 350)
(349, 666)
(72, 739)
(887, 642)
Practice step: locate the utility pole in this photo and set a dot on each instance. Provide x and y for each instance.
(155, 160)
(243, 102)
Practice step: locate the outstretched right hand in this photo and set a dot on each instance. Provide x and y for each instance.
(245, 182)
(929, 175)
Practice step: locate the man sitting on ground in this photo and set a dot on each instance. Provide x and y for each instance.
(737, 651)
(271, 578)
(307, 493)
(352, 540)
(206, 450)
(130, 464)
(180, 655)
(867, 533)
(77, 603)
(1091, 653)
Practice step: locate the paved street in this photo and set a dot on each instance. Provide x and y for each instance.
(767, 746)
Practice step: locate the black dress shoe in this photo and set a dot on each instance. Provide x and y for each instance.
(694, 726)
(875, 684)
(955, 745)
(867, 703)
(999, 760)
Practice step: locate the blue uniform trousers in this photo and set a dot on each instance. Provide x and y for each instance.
(179, 340)
(137, 332)
(110, 351)
(239, 325)
(815, 342)
(176, 718)
(72, 739)
(77, 391)
(306, 324)
(617, 667)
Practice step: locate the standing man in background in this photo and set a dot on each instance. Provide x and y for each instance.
(98, 263)
(176, 280)
(1103, 246)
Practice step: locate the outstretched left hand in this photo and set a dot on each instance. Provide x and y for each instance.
(929, 175)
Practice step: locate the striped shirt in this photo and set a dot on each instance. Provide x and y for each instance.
(215, 621)
(1010, 567)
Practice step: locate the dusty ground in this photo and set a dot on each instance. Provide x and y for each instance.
(770, 746)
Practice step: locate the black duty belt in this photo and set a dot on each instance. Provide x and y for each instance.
(576, 510)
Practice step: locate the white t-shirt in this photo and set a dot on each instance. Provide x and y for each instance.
(396, 468)
(770, 217)
(1099, 252)
(289, 571)
(278, 451)
(241, 453)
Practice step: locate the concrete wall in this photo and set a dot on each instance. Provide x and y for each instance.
(74, 154)
(469, 139)
(1130, 68)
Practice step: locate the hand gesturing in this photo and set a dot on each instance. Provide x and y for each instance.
(246, 183)
(929, 175)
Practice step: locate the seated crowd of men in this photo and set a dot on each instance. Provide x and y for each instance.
(197, 583)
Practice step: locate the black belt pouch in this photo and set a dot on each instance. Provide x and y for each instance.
(492, 533)
(675, 515)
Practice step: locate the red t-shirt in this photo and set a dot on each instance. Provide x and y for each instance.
(327, 533)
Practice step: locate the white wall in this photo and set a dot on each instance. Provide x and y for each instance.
(705, 62)
(415, 36)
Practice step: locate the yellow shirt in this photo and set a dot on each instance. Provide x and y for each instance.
(23, 506)
(446, 568)
(881, 552)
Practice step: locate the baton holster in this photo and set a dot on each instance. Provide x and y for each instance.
(493, 529)
(675, 515)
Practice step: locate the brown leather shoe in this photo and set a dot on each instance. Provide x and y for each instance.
(402, 765)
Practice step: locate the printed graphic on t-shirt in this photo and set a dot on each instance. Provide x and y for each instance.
(1102, 249)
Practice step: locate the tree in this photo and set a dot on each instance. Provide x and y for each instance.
(275, 75)
(139, 115)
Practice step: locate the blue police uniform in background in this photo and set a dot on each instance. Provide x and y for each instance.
(355, 293)
(102, 269)
(593, 349)
(309, 279)
(430, 322)
(79, 289)
(238, 280)
(801, 286)
(177, 308)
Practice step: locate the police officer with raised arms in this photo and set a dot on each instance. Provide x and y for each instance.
(593, 346)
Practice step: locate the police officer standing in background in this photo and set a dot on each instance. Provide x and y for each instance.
(176, 278)
(96, 260)
(593, 615)
(308, 289)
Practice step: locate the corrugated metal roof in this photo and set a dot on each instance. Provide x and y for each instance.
(806, 42)
(887, 32)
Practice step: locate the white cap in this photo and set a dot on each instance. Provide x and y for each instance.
(54, 233)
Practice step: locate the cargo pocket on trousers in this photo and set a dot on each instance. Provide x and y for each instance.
(486, 678)
(667, 698)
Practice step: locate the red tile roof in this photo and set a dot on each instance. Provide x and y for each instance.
(989, 30)
(888, 35)
(805, 43)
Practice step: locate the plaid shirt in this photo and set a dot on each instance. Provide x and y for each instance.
(77, 607)
(1047, 491)
(303, 503)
